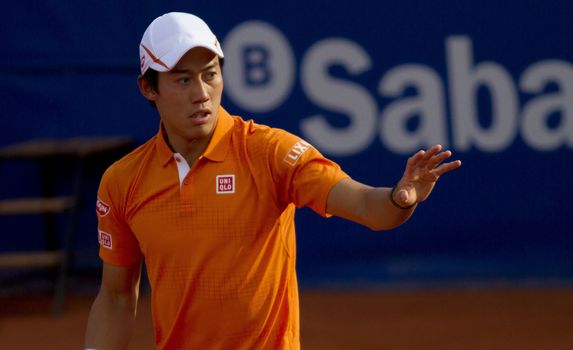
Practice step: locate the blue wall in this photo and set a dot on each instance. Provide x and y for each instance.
(492, 80)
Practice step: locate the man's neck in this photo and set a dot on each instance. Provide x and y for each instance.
(191, 150)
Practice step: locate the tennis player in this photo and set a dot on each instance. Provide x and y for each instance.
(208, 203)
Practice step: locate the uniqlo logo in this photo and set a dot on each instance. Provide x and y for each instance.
(104, 239)
(102, 209)
(296, 152)
(225, 184)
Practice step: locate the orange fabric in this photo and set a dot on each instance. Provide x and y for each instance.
(221, 265)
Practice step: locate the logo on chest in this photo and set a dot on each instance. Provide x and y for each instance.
(225, 184)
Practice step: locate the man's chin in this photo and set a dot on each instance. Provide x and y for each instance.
(201, 131)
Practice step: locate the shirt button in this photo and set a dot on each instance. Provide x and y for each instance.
(186, 182)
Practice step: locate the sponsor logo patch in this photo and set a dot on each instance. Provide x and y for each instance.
(102, 209)
(104, 239)
(296, 152)
(225, 184)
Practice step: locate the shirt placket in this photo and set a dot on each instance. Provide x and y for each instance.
(185, 180)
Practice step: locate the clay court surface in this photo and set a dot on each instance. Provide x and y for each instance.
(457, 318)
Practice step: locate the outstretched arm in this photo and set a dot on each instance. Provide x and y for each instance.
(383, 208)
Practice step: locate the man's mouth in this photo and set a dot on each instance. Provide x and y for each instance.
(201, 117)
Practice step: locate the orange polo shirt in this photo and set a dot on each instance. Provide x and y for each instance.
(218, 239)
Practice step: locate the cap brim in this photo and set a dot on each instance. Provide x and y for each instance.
(168, 61)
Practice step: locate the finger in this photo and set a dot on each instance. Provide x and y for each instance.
(446, 167)
(432, 151)
(415, 159)
(437, 159)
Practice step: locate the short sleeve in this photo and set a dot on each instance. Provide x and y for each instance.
(118, 244)
(303, 175)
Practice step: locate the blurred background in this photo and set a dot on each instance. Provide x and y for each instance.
(367, 83)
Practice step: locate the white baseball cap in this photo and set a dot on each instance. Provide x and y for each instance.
(170, 36)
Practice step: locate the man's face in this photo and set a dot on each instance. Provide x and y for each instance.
(188, 97)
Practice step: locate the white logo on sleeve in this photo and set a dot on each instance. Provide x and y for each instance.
(225, 184)
(296, 152)
(104, 239)
(102, 208)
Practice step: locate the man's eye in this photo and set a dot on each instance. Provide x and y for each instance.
(184, 80)
(211, 75)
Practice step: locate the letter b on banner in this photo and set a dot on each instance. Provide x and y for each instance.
(256, 67)
(259, 66)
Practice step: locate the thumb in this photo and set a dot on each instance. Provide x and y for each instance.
(404, 196)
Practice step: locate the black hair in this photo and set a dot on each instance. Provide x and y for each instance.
(152, 77)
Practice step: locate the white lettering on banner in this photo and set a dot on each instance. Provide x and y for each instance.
(464, 83)
(426, 105)
(536, 112)
(337, 95)
(259, 70)
(260, 79)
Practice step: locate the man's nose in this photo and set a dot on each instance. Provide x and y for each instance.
(200, 93)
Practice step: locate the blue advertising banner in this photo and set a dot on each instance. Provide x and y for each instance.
(368, 84)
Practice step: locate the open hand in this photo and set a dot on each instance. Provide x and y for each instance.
(422, 171)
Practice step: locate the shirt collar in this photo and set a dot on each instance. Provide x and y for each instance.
(216, 149)
(221, 139)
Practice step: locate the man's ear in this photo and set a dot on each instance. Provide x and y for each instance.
(146, 88)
